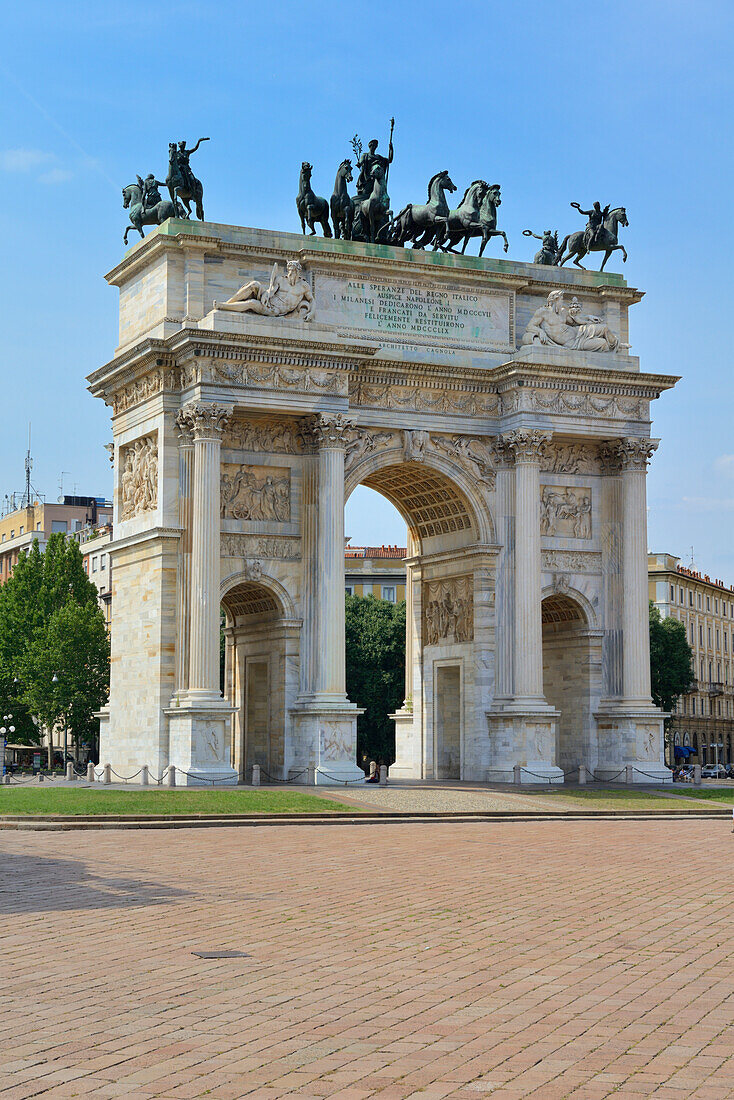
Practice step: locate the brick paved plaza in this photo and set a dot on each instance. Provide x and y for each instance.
(582, 959)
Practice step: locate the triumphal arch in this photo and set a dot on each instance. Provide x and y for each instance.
(259, 379)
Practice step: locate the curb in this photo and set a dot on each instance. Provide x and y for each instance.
(60, 823)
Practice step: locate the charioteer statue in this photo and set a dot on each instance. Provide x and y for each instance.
(372, 201)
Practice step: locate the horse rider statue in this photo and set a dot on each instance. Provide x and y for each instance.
(366, 162)
(151, 196)
(595, 224)
(182, 159)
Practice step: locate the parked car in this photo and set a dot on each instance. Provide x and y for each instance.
(730, 771)
(714, 771)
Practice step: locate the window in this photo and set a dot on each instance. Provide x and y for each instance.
(349, 590)
(3, 537)
(77, 525)
(718, 672)
(58, 525)
(22, 529)
(700, 634)
(388, 592)
(38, 526)
(693, 705)
(102, 560)
(708, 603)
(711, 671)
(672, 593)
(698, 600)
(718, 639)
(690, 599)
(726, 642)
(708, 633)
(12, 533)
(94, 565)
(703, 666)
(690, 633)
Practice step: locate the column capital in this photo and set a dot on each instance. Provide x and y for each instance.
(327, 430)
(630, 453)
(202, 420)
(524, 445)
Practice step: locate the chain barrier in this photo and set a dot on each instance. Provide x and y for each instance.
(203, 778)
(546, 778)
(597, 779)
(123, 778)
(345, 782)
(657, 778)
(292, 779)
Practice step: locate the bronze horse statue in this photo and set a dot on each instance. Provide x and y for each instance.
(456, 223)
(485, 225)
(342, 208)
(132, 200)
(606, 240)
(417, 223)
(310, 207)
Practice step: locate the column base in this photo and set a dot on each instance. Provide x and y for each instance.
(526, 737)
(630, 736)
(325, 738)
(408, 763)
(198, 743)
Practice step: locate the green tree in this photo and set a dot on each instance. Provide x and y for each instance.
(51, 625)
(375, 656)
(671, 660)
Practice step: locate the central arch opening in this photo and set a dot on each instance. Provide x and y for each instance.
(438, 519)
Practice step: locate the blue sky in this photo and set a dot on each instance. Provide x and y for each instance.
(627, 102)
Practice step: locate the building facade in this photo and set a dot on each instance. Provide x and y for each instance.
(377, 571)
(704, 718)
(94, 543)
(39, 521)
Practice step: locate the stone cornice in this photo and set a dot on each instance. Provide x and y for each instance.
(151, 534)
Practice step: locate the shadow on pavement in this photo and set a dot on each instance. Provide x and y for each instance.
(33, 884)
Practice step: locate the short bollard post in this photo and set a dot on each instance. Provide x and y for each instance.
(582, 775)
(383, 775)
(144, 780)
(107, 774)
(70, 776)
(311, 775)
(256, 775)
(517, 774)
(171, 776)
(696, 775)
(90, 772)
(6, 779)
(40, 777)
(629, 773)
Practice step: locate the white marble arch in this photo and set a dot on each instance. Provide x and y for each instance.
(393, 456)
(287, 604)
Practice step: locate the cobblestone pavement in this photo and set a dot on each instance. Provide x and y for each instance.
(545, 959)
(443, 798)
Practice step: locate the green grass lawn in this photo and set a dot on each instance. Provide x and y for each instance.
(14, 800)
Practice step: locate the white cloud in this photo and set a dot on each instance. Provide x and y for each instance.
(724, 464)
(56, 175)
(22, 160)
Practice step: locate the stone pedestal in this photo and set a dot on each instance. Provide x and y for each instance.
(630, 738)
(527, 739)
(199, 744)
(408, 763)
(326, 740)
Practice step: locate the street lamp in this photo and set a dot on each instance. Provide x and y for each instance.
(55, 680)
(6, 729)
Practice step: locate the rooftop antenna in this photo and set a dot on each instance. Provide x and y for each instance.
(61, 485)
(693, 561)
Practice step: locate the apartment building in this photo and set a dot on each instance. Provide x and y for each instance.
(704, 718)
(39, 521)
(377, 571)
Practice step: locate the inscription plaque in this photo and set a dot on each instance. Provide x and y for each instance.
(399, 313)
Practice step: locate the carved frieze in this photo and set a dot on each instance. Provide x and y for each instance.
(139, 477)
(571, 561)
(473, 454)
(155, 382)
(272, 437)
(565, 512)
(277, 377)
(337, 741)
(448, 610)
(418, 398)
(580, 403)
(360, 442)
(260, 547)
(569, 458)
(255, 493)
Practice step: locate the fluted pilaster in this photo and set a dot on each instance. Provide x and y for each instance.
(206, 423)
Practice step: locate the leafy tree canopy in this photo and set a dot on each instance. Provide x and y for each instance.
(51, 625)
(671, 660)
(375, 652)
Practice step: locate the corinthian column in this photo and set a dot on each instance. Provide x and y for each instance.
(526, 447)
(328, 431)
(206, 422)
(185, 503)
(634, 455)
